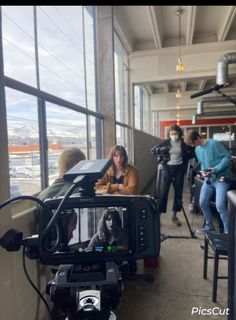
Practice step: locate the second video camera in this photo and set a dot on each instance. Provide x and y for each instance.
(162, 154)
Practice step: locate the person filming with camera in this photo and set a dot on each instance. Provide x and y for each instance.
(215, 161)
(173, 155)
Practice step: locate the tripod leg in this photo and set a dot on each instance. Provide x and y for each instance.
(180, 202)
(186, 218)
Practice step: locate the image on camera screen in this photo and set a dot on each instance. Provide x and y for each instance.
(95, 229)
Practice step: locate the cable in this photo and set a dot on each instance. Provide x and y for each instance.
(54, 218)
(58, 235)
(33, 285)
(4, 204)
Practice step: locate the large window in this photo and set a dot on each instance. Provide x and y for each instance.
(123, 127)
(23, 140)
(142, 113)
(18, 43)
(60, 50)
(65, 128)
(52, 50)
(121, 81)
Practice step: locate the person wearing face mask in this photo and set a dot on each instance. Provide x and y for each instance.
(174, 169)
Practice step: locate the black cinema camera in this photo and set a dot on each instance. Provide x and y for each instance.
(162, 154)
(88, 283)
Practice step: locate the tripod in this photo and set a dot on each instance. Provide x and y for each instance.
(163, 169)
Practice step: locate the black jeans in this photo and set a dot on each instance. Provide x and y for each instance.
(166, 174)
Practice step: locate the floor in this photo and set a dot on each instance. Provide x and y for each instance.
(178, 291)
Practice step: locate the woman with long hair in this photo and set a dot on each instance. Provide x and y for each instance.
(110, 231)
(122, 177)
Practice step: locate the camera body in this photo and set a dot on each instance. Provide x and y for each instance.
(88, 283)
(162, 154)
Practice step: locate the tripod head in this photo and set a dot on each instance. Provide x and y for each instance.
(87, 291)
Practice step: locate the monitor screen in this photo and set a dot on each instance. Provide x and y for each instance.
(95, 229)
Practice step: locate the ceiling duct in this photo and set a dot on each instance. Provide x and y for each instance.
(201, 112)
(201, 104)
(212, 114)
(223, 68)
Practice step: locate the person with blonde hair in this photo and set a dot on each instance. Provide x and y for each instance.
(122, 177)
(67, 160)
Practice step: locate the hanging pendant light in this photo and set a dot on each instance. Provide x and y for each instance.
(179, 66)
(178, 94)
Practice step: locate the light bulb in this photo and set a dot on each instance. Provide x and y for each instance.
(180, 66)
(178, 94)
(178, 107)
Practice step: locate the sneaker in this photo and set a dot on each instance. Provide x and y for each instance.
(205, 229)
(193, 208)
(176, 221)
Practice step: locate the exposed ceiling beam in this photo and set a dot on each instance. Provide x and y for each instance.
(226, 23)
(154, 26)
(190, 24)
(166, 87)
(184, 86)
(120, 26)
(202, 84)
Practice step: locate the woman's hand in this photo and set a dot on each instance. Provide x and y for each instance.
(121, 187)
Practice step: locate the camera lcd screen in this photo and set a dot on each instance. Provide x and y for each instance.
(95, 229)
(100, 228)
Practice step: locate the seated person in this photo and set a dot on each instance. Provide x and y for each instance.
(122, 177)
(67, 160)
(110, 231)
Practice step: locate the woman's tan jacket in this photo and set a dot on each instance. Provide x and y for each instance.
(131, 181)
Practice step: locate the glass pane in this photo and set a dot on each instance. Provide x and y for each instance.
(23, 143)
(121, 81)
(61, 56)
(118, 78)
(233, 140)
(92, 138)
(220, 133)
(146, 111)
(123, 137)
(18, 43)
(90, 57)
(137, 107)
(65, 128)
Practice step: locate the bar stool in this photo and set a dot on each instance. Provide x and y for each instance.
(219, 245)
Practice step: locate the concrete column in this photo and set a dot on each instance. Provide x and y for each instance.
(106, 84)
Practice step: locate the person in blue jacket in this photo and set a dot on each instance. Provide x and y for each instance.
(215, 162)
